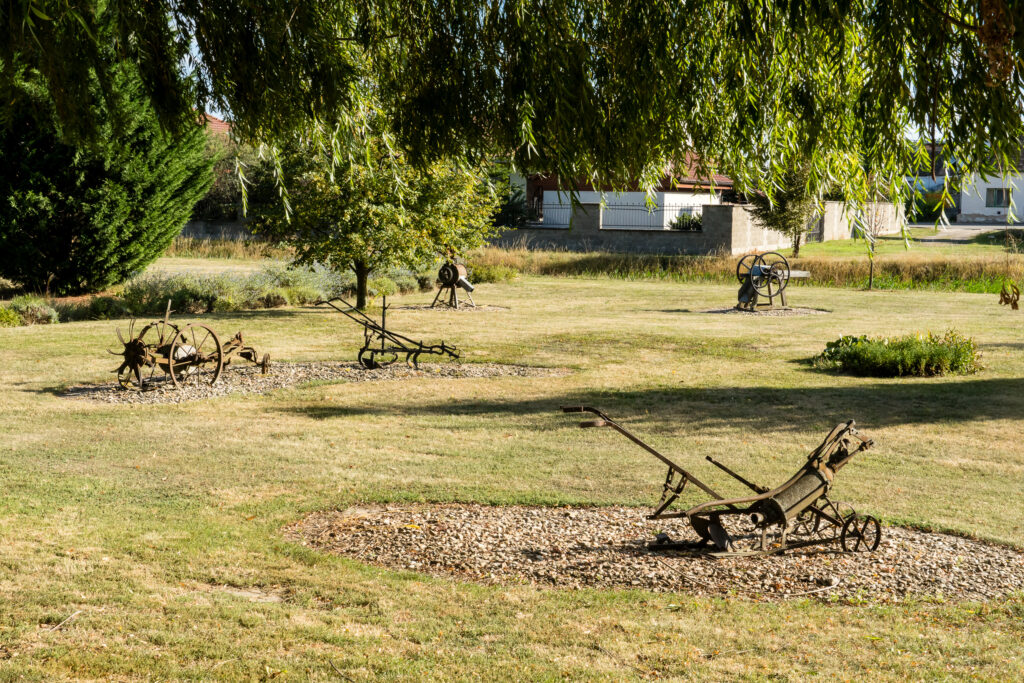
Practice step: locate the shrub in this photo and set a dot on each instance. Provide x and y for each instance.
(483, 272)
(108, 308)
(914, 355)
(686, 222)
(9, 318)
(33, 310)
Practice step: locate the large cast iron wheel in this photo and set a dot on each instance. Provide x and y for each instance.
(195, 356)
(861, 534)
(774, 274)
(744, 266)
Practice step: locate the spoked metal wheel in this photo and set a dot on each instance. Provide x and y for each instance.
(773, 274)
(744, 266)
(195, 356)
(861, 533)
(372, 359)
(140, 368)
(806, 524)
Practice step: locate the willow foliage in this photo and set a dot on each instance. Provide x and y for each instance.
(588, 89)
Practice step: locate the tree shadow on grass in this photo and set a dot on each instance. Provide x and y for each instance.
(878, 404)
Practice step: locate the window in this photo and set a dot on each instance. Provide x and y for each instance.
(997, 196)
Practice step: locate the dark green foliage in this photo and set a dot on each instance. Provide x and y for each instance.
(686, 222)
(78, 219)
(607, 91)
(789, 208)
(912, 355)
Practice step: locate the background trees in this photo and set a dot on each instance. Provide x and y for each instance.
(80, 218)
(788, 209)
(373, 211)
(606, 92)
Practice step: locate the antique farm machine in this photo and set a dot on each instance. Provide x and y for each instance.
(190, 354)
(795, 514)
(452, 277)
(764, 276)
(381, 346)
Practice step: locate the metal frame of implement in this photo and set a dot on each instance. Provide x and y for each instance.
(796, 514)
(381, 346)
(192, 353)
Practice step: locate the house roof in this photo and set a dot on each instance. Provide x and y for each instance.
(687, 180)
(216, 125)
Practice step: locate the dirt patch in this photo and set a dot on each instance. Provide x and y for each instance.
(607, 547)
(247, 379)
(770, 312)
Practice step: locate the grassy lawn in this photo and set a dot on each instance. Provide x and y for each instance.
(988, 244)
(159, 527)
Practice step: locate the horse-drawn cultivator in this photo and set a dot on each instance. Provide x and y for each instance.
(190, 354)
(796, 514)
(381, 346)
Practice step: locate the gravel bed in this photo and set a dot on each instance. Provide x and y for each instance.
(770, 312)
(247, 379)
(463, 308)
(606, 547)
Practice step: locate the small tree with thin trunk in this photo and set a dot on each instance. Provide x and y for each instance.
(374, 212)
(788, 209)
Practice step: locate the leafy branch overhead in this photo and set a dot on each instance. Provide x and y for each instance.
(591, 90)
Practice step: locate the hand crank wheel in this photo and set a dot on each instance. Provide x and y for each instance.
(744, 266)
(196, 356)
(861, 533)
(806, 524)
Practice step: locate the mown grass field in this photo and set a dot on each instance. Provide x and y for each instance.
(159, 528)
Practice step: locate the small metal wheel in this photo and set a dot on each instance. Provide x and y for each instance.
(744, 266)
(372, 359)
(806, 524)
(195, 356)
(861, 533)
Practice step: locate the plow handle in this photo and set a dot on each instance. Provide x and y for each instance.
(606, 421)
(750, 485)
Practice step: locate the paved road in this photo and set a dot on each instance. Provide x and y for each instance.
(957, 232)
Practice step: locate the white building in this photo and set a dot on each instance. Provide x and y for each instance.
(991, 200)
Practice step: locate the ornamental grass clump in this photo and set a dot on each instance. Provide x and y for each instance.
(918, 355)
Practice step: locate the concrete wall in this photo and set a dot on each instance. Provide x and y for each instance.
(726, 228)
(227, 230)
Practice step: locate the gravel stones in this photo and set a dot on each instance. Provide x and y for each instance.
(606, 548)
(247, 379)
(770, 312)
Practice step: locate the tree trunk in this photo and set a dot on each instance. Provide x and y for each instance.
(871, 274)
(796, 245)
(362, 272)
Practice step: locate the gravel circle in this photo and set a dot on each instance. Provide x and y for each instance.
(464, 308)
(606, 548)
(770, 312)
(247, 379)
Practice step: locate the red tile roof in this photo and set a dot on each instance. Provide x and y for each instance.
(217, 126)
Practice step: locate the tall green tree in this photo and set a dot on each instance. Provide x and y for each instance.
(79, 218)
(372, 211)
(787, 210)
(606, 92)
